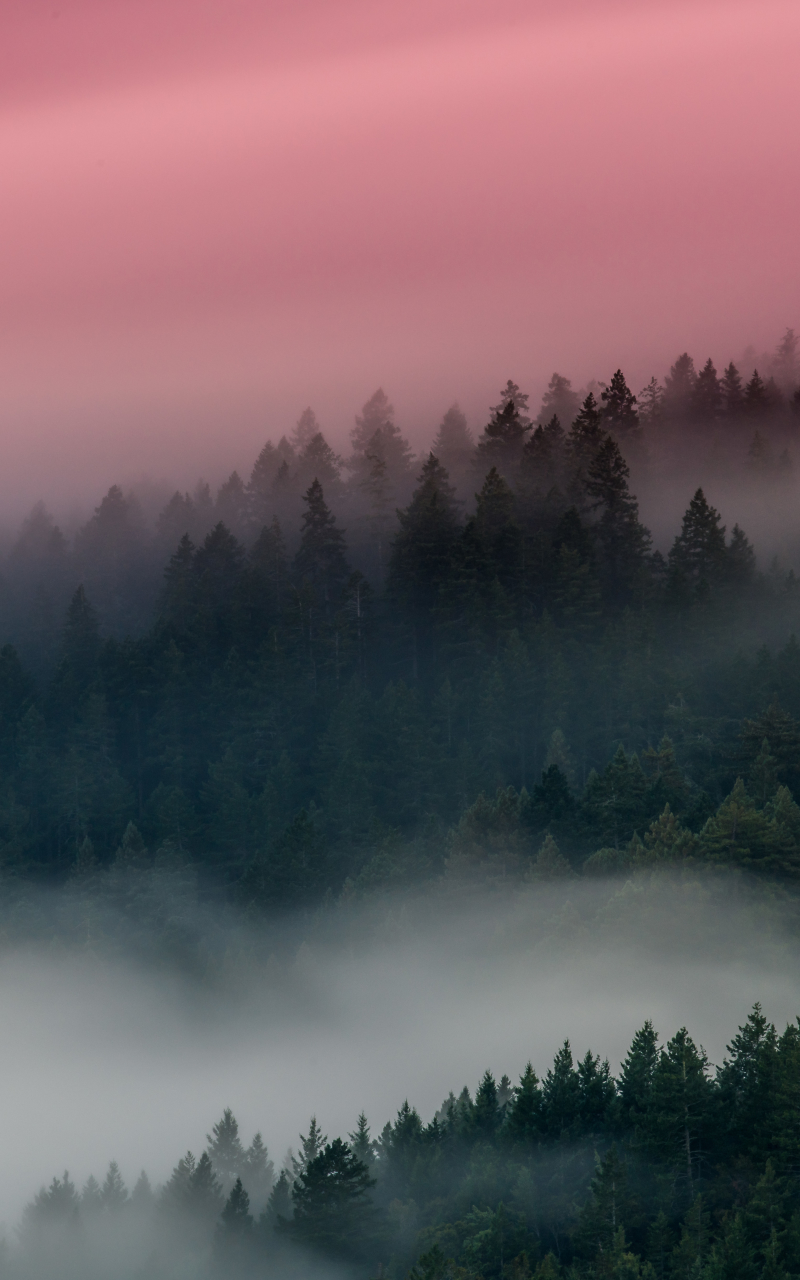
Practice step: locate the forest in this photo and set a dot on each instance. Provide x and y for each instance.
(352, 672)
(671, 1169)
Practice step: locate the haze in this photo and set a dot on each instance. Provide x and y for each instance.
(214, 215)
(106, 1059)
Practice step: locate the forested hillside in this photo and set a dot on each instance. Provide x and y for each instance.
(671, 1169)
(350, 672)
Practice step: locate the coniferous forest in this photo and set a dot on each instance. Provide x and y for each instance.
(342, 677)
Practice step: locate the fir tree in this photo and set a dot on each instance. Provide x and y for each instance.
(619, 413)
(732, 392)
(320, 564)
(706, 399)
(679, 389)
(332, 1210)
(622, 540)
(559, 400)
(501, 443)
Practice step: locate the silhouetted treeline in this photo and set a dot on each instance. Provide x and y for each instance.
(673, 1169)
(434, 687)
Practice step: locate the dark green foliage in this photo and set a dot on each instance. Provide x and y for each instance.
(332, 1210)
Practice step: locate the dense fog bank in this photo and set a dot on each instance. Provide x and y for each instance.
(363, 1006)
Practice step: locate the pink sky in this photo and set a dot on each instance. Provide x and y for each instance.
(214, 214)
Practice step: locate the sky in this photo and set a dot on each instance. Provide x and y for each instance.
(215, 214)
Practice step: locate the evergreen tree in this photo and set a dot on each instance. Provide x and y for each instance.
(114, 1193)
(236, 1224)
(619, 413)
(332, 1209)
(523, 1120)
(232, 507)
(279, 1204)
(732, 392)
(422, 558)
(651, 404)
(317, 461)
(310, 1147)
(706, 399)
(559, 400)
(320, 564)
(81, 643)
(679, 389)
(304, 430)
(501, 443)
(225, 1148)
(360, 1142)
(697, 560)
(622, 540)
(755, 402)
(486, 1108)
(376, 433)
(635, 1088)
(453, 444)
(561, 1096)
(786, 361)
(681, 1107)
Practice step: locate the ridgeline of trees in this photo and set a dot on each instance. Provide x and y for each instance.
(671, 1171)
(357, 672)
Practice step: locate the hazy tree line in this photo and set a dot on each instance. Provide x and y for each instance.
(438, 686)
(672, 1169)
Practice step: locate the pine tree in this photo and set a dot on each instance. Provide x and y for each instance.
(279, 1204)
(651, 405)
(225, 1147)
(361, 1143)
(320, 564)
(635, 1088)
(732, 392)
(258, 1171)
(523, 1120)
(317, 461)
(114, 1193)
(236, 1220)
(679, 389)
(453, 444)
(501, 443)
(260, 485)
(178, 603)
(619, 413)
(304, 430)
(604, 1212)
(622, 540)
(310, 1147)
(376, 432)
(561, 1096)
(697, 560)
(786, 362)
(232, 507)
(755, 401)
(81, 643)
(559, 400)
(486, 1109)
(422, 560)
(681, 1107)
(332, 1210)
(706, 401)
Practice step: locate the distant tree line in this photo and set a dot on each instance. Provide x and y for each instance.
(312, 709)
(670, 1170)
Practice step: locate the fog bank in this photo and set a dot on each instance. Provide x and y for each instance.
(103, 1059)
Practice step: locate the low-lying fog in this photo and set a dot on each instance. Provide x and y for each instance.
(109, 1060)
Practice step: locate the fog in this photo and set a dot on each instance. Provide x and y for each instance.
(361, 1007)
